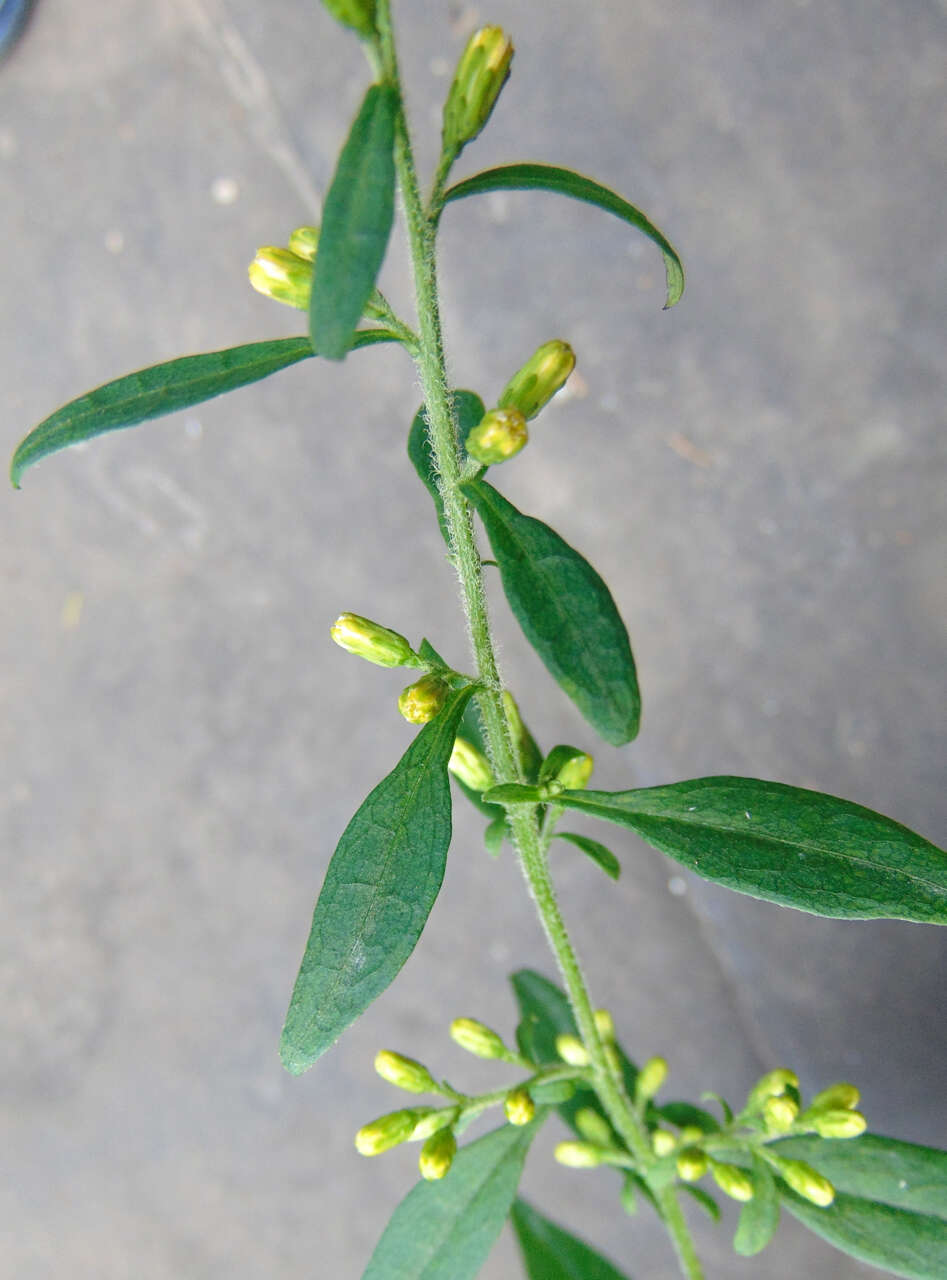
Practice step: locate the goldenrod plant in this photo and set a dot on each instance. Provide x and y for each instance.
(879, 1199)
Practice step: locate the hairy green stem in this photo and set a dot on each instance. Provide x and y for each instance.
(442, 431)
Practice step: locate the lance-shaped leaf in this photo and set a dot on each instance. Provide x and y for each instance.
(567, 613)
(378, 892)
(592, 849)
(759, 1217)
(798, 848)
(469, 409)
(899, 1241)
(356, 224)
(565, 182)
(444, 1230)
(902, 1174)
(550, 1253)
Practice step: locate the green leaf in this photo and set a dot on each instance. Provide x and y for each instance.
(444, 1230)
(356, 224)
(495, 834)
(468, 408)
(378, 892)
(704, 1199)
(597, 852)
(545, 1014)
(549, 1253)
(798, 848)
(684, 1114)
(759, 1217)
(899, 1241)
(565, 182)
(897, 1173)
(566, 612)
(150, 393)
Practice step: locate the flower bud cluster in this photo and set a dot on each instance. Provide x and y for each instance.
(502, 432)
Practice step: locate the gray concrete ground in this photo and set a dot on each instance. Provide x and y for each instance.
(759, 474)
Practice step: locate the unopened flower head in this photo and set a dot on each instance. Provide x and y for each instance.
(544, 373)
(437, 1155)
(366, 639)
(357, 14)
(650, 1079)
(805, 1181)
(404, 1072)
(605, 1025)
(431, 1120)
(477, 1038)
(839, 1123)
(575, 770)
(579, 1155)
(779, 1113)
(481, 73)
(773, 1085)
(500, 435)
(386, 1132)
(571, 1049)
(519, 1107)
(732, 1180)
(471, 766)
(691, 1165)
(593, 1126)
(281, 275)
(420, 702)
(663, 1142)
(841, 1096)
(304, 241)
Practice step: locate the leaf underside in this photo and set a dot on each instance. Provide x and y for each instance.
(445, 1230)
(565, 182)
(566, 612)
(798, 848)
(356, 223)
(379, 889)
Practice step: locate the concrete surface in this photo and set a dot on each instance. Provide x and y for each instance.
(759, 474)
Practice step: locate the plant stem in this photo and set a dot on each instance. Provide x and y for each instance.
(442, 431)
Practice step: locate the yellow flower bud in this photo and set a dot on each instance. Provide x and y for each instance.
(543, 374)
(303, 242)
(836, 1123)
(779, 1114)
(773, 1085)
(357, 14)
(604, 1025)
(481, 73)
(437, 1155)
(386, 1132)
(519, 1107)
(281, 275)
(805, 1181)
(578, 1155)
(691, 1165)
(571, 1049)
(471, 766)
(732, 1180)
(613, 1058)
(404, 1072)
(366, 639)
(500, 435)
(568, 767)
(691, 1133)
(477, 1039)
(650, 1079)
(593, 1126)
(837, 1097)
(421, 701)
(663, 1142)
(432, 1120)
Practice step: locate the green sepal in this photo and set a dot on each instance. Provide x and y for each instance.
(162, 389)
(566, 612)
(379, 889)
(468, 410)
(445, 1230)
(551, 1253)
(356, 223)
(565, 182)
(798, 848)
